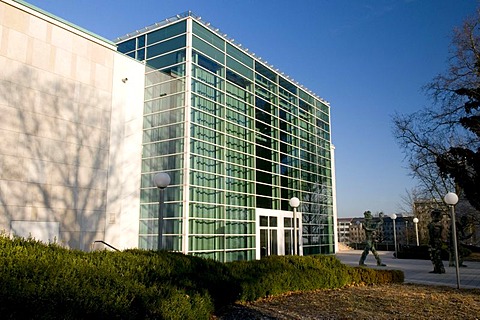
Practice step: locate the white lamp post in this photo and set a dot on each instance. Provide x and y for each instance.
(415, 220)
(294, 203)
(406, 230)
(394, 216)
(161, 181)
(451, 199)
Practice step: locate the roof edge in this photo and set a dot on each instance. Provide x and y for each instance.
(45, 15)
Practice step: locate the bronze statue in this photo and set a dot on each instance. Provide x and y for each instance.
(435, 230)
(370, 231)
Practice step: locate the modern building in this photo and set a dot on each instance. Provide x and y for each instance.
(90, 122)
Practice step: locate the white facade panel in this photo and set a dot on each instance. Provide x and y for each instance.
(61, 98)
(123, 203)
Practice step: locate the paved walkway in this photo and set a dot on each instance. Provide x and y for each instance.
(417, 271)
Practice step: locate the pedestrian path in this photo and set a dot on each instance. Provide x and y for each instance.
(418, 271)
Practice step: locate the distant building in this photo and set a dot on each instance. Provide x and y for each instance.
(343, 230)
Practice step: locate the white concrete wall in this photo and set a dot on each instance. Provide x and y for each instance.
(123, 205)
(57, 91)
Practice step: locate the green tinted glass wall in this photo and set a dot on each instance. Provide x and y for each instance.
(255, 139)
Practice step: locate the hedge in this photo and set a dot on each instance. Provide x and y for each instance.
(39, 281)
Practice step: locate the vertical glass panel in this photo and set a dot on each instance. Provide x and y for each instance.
(162, 148)
(126, 46)
(162, 163)
(207, 243)
(141, 41)
(238, 80)
(239, 93)
(273, 242)
(239, 55)
(165, 103)
(204, 226)
(206, 164)
(264, 242)
(149, 242)
(207, 77)
(206, 105)
(265, 71)
(235, 130)
(239, 227)
(207, 91)
(208, 50)
(163, 133)
(162, 118)
(207, 63)
(204, 179)
(287, 85)
(166, 60)
(263, 221)
(141, 54)
(240, 68)
(205, 149)
(206, 210)
(237, 213)
(167, 32)
(287, 222)
(206, 195)
(206, 119)
(264, 202)
(273, 221)
(154, 76)
(305, 96)
(208, 36)
(205, 134)
(166, 46)
(176, 70)
(288, 242)
(171, 210)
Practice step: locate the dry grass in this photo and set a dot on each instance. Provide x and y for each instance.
(400, 301)
(395, 301)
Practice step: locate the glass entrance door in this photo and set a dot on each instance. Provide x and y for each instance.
(288, 235)
(275, 233)
(268, 236)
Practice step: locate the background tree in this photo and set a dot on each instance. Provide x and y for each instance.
(441, 142)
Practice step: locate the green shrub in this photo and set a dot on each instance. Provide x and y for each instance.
(49, 282)
(40, 281)
(280, 274)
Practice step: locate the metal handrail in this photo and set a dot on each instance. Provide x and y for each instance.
(108, 245)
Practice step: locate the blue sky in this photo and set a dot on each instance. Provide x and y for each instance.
(368, 58)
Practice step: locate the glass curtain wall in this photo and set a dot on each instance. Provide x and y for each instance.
(163, 52)
(256, 139)
(222, 186)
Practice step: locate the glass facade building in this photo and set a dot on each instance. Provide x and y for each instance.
(238, 139)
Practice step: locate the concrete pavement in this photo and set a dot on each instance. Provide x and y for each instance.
(417, 271)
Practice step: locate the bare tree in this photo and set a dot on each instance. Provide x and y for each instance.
(437, 140)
